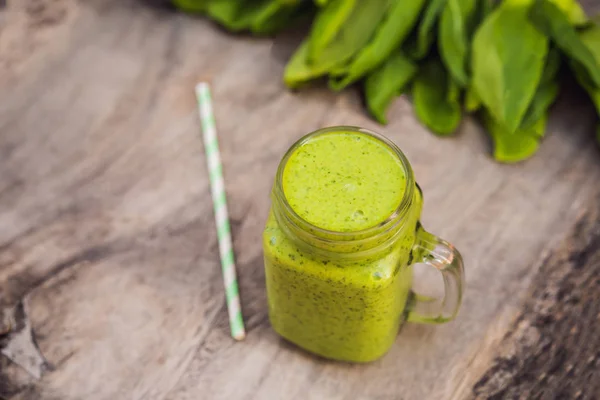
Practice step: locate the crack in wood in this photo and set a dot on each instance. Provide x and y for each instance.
(553, 350)
(19, 344)
(17, 339)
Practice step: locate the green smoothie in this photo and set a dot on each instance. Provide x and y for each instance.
(344, 181)
(339, 303)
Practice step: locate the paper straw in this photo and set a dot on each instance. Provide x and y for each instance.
(217, 185)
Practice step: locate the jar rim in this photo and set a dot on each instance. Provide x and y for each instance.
(389, 223)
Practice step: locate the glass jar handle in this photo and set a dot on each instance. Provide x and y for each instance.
(435, 252)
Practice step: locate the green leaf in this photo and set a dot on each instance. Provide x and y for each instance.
(545, 93)
(353, 35)
(590, 37)
(398, 23)
(454, 37)
(327, 23)
(486, 7)
(298, 71)
(426, 31)
(258, 16)
(548, 18)
(472, 101)
(454, 91)
(227, 13)
(191, 6)
(543, 99)
(384, 83)
(511, 147)
(435, 97)
(572, 10)
(508, 57)
(273, 16)
(553, 62)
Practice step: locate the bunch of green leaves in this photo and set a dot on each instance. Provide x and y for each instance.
(500, 60)
(261, 17)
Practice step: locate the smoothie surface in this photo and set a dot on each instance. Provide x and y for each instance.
(344, 181)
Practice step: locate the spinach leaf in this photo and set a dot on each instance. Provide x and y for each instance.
(425, 31)
(546, 92)
(548, 18)
(553, 62)
(511, 147)
(543, 99)
(436, 98)
(591, 39)
(572, 10)
(400, 20)
(191, 6)
(485, 8)
(354, 34)
(351, 38)
(508, 57)
(227, 13)
(273, 16)
(298, 71)
(258, 16)
(385, 82)
(328, 21)
(472, 101)
(455, 29)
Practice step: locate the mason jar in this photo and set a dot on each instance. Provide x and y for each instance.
(340, 242)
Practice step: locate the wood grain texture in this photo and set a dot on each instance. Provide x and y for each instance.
(552, 351)
(107, 227)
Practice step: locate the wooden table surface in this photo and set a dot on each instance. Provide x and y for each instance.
(108, 248)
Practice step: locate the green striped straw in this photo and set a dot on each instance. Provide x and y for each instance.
(217, 185)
